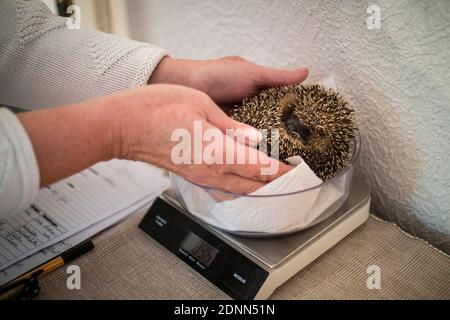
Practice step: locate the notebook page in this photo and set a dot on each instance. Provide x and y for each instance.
(72, 205)
(159, 184)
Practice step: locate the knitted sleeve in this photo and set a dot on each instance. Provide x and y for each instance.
(44, 63)
(19, 174)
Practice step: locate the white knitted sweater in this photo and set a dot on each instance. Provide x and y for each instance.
(43, 64)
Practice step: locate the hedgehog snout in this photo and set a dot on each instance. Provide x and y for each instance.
(298, 128)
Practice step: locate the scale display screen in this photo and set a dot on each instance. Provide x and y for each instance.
(199, 249)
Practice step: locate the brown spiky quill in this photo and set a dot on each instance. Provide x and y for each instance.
(314, 122)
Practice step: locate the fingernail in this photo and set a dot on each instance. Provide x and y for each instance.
(304, 69)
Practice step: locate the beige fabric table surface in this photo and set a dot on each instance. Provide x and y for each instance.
(127, 264)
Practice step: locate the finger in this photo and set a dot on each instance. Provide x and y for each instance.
(244, 133)
(230, 156)
(251, 163)
(271, 77)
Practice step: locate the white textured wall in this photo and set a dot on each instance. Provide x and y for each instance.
(398, 79)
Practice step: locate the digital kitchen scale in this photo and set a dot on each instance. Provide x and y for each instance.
(243, 267)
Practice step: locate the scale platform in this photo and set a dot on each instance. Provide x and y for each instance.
(243, 267)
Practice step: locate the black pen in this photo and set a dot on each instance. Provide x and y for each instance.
(16, 285)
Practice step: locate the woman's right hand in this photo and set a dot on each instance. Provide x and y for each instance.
(143, 120)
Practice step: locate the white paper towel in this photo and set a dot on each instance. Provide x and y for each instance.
(270, 213)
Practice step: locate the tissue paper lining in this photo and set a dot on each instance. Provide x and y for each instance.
(271, 214)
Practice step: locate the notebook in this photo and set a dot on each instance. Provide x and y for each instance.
(72, 210)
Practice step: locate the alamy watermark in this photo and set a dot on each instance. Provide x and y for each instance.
(74, 21)
(374, 278)
(374, 18)
(74, 280)
(211, 146)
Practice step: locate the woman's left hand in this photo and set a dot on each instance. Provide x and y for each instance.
(226, 80)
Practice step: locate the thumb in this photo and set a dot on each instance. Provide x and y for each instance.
(271, 77)
(244, 133)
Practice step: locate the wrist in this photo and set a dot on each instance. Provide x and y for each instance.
(113, 124)
(173, 71)
(123, 130)
(101, 127)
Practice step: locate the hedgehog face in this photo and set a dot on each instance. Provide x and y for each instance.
(302, 123)
(313, 122)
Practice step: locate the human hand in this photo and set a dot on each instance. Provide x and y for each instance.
(227, 80)
(145, 119)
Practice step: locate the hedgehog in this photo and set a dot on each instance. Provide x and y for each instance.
(313, 122)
